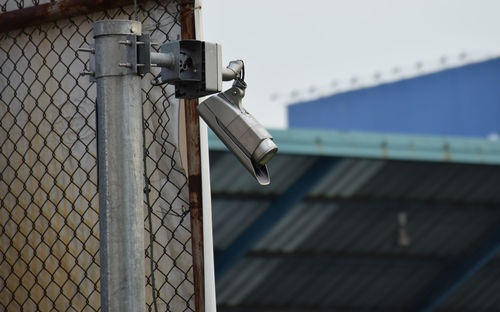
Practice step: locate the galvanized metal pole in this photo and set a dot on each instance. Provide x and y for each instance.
(121, 174)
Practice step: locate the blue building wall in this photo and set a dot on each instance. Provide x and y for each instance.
(463, 101)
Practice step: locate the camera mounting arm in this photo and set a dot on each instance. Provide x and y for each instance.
(233, 70)
(166, 59)
(162, 59)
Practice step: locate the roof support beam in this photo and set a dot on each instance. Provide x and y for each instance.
(459, 273)
(351, 258)
(273, 214)
(386, 202)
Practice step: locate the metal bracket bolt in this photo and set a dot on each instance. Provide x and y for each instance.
(87, 50)
(87, 73)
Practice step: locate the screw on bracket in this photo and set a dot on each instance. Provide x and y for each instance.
(88, 50)
(87, 73)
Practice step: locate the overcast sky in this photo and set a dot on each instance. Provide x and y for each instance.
(304, 49)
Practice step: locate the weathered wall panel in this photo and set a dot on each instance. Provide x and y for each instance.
(49, 219)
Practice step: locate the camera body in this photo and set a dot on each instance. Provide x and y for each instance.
(242, 134)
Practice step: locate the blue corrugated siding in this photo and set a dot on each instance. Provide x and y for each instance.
(462, 101)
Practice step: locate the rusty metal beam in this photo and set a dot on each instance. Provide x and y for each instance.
(360, 201)
(194, 169)
(195, 199)
(50, 12)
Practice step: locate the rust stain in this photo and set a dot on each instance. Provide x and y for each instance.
(383, 146)
(319, 145)
(446, 152)
(50, 12)
(195, 200)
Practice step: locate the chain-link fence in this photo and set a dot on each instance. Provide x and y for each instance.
(49, 214)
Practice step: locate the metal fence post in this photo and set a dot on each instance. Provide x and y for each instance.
(120, 161)
(194, 170)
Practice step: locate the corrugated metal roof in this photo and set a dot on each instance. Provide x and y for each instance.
(233, 217)
(324, 283)
(480, 293)
(338, 248)
(232, 177)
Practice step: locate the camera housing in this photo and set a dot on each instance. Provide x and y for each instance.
(242, 134)
(196, 70)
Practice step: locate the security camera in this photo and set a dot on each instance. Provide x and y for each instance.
(242, 134)
(194, 68)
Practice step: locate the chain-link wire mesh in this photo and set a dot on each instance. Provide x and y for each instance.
(49, 215)
(12, 5)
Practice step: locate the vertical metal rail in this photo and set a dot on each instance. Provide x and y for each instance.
(208, 246)
(194, 169)
(121, 174)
